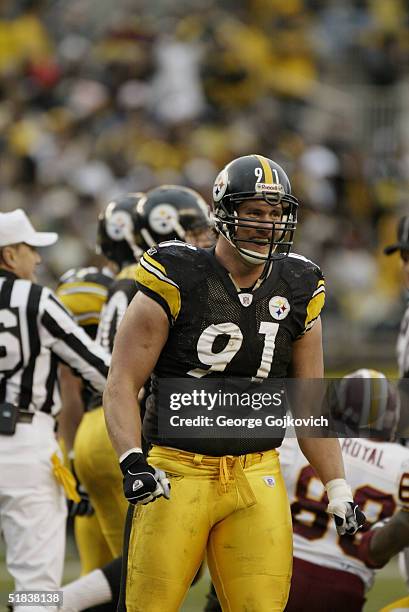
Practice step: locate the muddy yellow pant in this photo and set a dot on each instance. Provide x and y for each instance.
(236, 510)
(99, 537)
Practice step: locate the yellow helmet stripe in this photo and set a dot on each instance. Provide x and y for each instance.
(268, 175)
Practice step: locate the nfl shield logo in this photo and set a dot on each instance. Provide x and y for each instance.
(245, 298)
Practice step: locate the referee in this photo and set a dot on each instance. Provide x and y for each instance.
(36, 333)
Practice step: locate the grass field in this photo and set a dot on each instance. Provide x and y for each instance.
(388, 585)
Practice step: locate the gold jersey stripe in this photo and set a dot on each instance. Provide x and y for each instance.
(166, 289)
(154, 263)
(315, 305)
(128, 272)
(268, 175)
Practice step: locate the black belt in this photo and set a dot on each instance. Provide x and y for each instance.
(24, 416)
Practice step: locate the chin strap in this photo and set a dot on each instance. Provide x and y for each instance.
(266, 272)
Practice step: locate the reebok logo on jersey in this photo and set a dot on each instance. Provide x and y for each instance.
(270, 481)
(279, 307)
(137, 485)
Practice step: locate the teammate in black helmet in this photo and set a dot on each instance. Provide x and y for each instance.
(173, 212)
(119, 237)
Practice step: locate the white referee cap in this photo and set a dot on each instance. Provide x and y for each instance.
(15, 227)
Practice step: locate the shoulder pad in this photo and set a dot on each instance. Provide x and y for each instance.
(175, 245)
(300, 260)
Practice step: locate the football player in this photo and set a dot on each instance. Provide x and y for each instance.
(164, 213)
(245, 308)
(329, 572)
(385, 539)
(128, 225)
(99, 538)
(402, 246)
(83, 292)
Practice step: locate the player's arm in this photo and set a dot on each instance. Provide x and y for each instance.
(140, 338)
(71, 344)
(380, 544)
(324, 454)
(72, 409)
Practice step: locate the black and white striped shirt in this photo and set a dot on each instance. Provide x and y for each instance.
(36, 333)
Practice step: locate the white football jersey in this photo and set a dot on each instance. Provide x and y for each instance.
(378, 473)
(402, 347)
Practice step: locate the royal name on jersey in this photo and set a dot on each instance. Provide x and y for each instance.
(218, 329)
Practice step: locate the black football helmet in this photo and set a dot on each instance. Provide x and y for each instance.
(254, 177)
(367, 404)
(172, 212)
(119, 237)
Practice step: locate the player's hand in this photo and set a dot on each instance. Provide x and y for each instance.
(142, 482)
(347, 515)
(84, 506)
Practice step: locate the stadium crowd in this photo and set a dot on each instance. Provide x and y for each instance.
(100, 98)
(110, 108)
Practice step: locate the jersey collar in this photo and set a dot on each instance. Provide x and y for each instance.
(258, 292)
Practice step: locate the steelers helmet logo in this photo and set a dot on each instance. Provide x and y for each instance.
(163, 219)
(279, 307)
(220, 186)
(119, 225)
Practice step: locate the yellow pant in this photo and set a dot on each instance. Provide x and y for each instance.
(235, 509)
(398, 606)
(92, 547)
(97, 468)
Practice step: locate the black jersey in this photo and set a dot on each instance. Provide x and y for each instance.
(120, 295)
(84, 292)
(220, 332)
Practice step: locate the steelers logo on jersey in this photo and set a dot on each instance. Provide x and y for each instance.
(163, 219)
(279, 307)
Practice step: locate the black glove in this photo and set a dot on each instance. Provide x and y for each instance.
(352, 520)
(347, 515)
(83, 507)
(142, 482)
